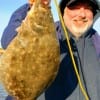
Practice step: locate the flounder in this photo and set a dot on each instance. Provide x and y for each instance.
(31, 61)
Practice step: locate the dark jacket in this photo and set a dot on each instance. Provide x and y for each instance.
(86, 52)
(65, 86)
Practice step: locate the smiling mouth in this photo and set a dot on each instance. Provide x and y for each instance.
(80, 20)
(80, 23)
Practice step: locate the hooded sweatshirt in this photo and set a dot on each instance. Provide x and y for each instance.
(66, 86)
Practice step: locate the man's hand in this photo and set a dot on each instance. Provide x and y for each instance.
(45, 2)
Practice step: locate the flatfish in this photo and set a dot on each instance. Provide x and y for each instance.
(31, 61)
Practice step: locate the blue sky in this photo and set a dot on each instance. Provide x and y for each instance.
(7, 7)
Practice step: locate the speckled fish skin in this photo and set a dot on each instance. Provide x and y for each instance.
(31, 61)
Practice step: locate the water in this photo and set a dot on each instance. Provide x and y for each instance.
(3, 92)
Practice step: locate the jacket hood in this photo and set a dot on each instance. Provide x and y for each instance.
(86, 34)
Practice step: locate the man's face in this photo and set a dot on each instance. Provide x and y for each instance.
(78, 18)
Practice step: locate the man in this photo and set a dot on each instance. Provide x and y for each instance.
(78, 18)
